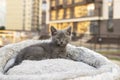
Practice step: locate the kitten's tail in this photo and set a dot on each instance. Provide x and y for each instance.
(15, 60)
(11, 63)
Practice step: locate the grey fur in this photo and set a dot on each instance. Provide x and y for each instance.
(56, 48)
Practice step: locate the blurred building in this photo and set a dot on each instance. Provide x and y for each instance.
(27, 15)
(111, 25)
(24, 14)
(18, 15)
(100, 17)
(43, 25)
(35, 14)
(77, 13)
(14, 15)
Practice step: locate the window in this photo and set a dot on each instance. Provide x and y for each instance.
(68, 13)
(61, 14)
(69, 2)
(78, 1)
(94, 27)
(64, 25)
(83, 27)
(80, 11)
(91, 8)
(60, 2)
(53, 3)
(110, 27)
(59, 26)
(53, 15)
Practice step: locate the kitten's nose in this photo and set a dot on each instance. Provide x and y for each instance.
(61, 42)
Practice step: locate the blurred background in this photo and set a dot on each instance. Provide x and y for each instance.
(95, 23)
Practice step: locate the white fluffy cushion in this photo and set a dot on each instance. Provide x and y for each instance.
(58, 69)
(49, 66)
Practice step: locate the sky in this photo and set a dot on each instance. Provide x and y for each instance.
(2, 12)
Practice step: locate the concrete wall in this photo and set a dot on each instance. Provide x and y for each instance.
(105, 9)
(116, 28)
(19, 14)
(116, 9)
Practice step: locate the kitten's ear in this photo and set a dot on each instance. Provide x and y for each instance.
(53, 30)
(69, 30)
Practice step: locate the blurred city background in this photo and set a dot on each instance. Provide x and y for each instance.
(95, 23)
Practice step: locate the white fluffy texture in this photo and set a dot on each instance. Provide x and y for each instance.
(9, 51)
(58, 69)
(49, 66)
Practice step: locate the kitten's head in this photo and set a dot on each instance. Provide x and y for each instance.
(61, 37)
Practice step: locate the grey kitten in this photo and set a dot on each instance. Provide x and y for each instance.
(56, 48)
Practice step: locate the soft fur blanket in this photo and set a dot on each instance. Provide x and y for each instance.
(87, 65)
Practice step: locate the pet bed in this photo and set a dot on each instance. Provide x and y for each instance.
(86, 64)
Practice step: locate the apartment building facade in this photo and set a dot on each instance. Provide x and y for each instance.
(43, 25)
(27, 15)
(111, 26)
(35, 14)
(23, 14)
(99, 17)
(14, 15)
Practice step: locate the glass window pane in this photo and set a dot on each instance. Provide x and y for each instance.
(60, 2)
(53, 15)
(83, 27)
(60, 14)
(53, 3)
(77, 1)
(68, 13)
(80, 11)
(69, 2)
